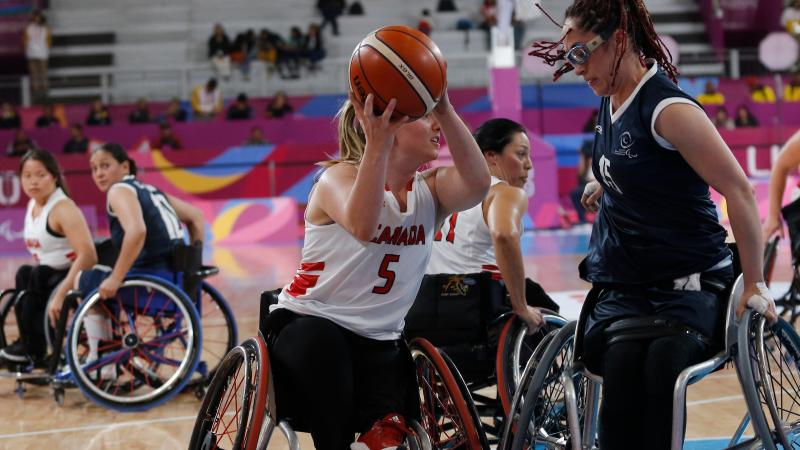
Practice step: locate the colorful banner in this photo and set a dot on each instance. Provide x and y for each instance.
(261, 221)
(288, 170)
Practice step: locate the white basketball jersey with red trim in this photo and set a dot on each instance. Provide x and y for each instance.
(47, 249)
(366, 287)
(464, 243)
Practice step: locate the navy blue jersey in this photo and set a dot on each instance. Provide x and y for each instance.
(164, 229)
(656, 221)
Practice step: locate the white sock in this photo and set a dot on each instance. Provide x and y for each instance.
(98, 327)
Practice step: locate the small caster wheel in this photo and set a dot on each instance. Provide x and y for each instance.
(58, 395)
(20, 389)
(200, 391)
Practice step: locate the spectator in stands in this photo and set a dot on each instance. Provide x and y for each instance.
(330, 10)
(722, 119)
(240, 109)
(9, 118)
(488, 19)
(287, 57)
(446, 6)
(759, 92)
(791, 93)
(355, 9)
(244, 51)
(518, 27)
(47, 118)
(98, 114)
(37, 40)
(744, 118)
(167, 140)
(206, 100)
(790, 18)
(267, 51)
(174, 112)
(710, 95)
(77, 142)
(140, 114)
(256, 137)
(314, 47)
(425, 22)
(296, 47)
(279, 106)
(20, 144)
(219, 52)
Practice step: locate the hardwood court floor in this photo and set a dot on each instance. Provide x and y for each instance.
(37, 422)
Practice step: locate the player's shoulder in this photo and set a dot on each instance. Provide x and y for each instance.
(337, 173)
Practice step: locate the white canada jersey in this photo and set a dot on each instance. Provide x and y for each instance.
(464, 243)
(47, 249)
(366, 287)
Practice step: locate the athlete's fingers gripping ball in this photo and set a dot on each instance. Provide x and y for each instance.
(398, 62)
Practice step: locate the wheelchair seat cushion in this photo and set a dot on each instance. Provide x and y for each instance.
(648, 328)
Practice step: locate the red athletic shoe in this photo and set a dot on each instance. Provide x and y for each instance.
(388, 433)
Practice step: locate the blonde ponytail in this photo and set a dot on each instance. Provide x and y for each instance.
(351, 137)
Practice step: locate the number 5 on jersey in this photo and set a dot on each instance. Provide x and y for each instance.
(386, 274)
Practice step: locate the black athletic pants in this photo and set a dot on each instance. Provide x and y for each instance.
(334, 381)
(37, 282)
(638, 381)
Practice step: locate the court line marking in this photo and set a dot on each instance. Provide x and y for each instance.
(98, 427)
(714, 400)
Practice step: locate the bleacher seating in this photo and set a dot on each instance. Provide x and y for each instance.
(160, 46)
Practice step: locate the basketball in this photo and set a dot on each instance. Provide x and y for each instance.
(402, 63)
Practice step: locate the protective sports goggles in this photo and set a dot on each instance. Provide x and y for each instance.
(578, 55)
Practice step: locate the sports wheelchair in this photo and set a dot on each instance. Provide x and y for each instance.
(157, 339)
(239, 410)
(788, 305)
(557, 405)
(469, 319)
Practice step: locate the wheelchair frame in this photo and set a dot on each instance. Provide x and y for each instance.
(59, 375)
(432, 367)
(582, 432)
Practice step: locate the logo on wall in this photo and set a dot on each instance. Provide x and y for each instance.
(10, 188)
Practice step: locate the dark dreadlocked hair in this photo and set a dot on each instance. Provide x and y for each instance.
(604, 17)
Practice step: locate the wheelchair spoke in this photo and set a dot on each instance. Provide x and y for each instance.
(440, 415)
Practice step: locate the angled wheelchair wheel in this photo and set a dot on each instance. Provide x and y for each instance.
(770, 372)
(137, 350)
(515, 347)
(235, 403)
(446, 415)
(540, 418)
(220, 334)
(473, 410)
(7, 298)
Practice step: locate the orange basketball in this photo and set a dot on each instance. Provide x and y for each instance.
(402, 63)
